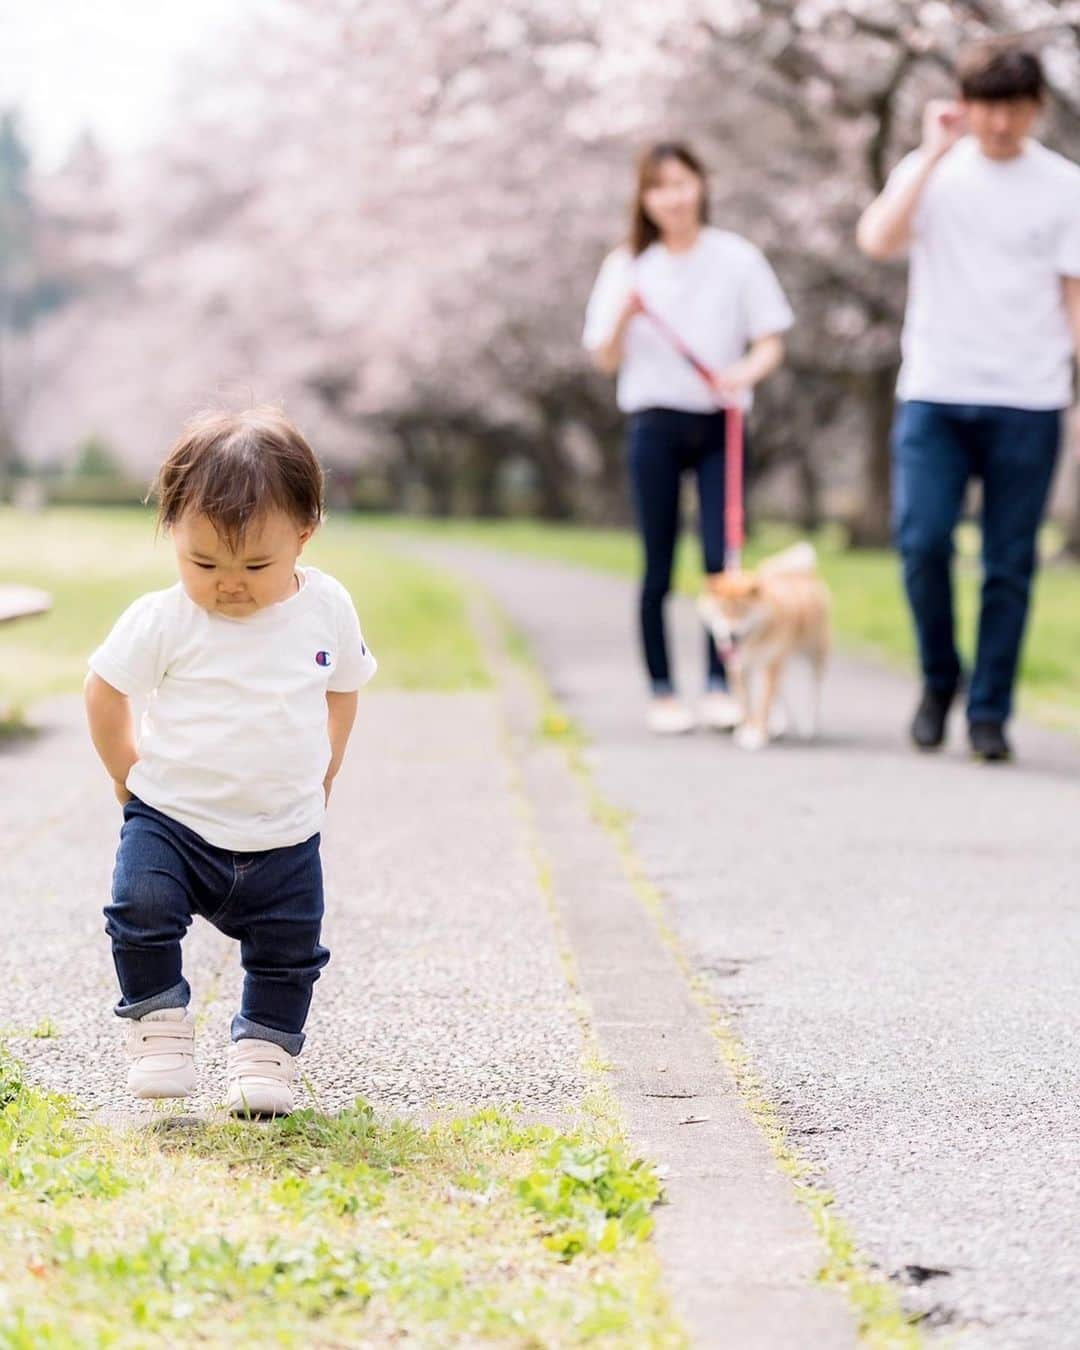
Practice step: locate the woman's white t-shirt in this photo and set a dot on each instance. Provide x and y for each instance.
(233, 738)
(992, 239)
(718, 296)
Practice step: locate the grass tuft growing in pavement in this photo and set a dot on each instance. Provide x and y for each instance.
(319, 1231)
(591, 1197)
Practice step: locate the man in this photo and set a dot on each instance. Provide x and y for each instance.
(992, 219)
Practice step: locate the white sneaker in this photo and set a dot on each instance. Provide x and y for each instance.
(720, 711)
(260, 1078)
(667, 716)
(750, 737)
(161, 1047)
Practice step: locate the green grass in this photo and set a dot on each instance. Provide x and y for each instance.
(95, 562)
(319, 1231)
(869, 610)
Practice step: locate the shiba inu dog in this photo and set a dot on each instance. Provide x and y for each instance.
(759, 621)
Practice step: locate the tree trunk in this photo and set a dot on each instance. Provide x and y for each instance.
(555, 502)
(809, 509)
(438, 472)
(554, 477)
(1072, 523)
(484, 458)
(871, 527)
(398, 478)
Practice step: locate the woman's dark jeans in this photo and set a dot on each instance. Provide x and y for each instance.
(937, 449)
(270, 902)
(662, 445)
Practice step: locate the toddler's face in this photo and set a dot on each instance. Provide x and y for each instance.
(235, 585)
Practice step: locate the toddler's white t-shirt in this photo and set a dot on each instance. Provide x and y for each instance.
(986, 321)
(718, 296)
(233, 738)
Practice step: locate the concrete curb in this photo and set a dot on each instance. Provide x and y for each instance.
(739, 1253)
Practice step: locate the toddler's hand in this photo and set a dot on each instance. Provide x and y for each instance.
(123, 796)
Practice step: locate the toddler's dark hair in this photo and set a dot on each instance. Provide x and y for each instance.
(233, 467)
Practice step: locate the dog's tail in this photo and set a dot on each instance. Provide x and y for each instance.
(800, 557)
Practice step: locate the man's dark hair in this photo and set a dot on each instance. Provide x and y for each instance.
(991, 72)
(234, 467)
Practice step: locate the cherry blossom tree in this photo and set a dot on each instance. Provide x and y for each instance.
(389, 217)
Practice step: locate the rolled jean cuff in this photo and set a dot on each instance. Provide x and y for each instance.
(179, 996)
(243, 1029)
(662, 688)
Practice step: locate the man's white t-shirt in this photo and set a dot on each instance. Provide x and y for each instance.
(992, 239)
(233, 739)
(718, 296)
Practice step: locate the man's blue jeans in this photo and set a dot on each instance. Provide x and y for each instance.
(271, 902)
(937, 449)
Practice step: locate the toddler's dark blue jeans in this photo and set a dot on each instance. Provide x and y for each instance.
(937, 449)
(270, 902)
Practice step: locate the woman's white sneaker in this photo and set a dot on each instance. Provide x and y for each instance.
(720, 711)
(260, 1078)
(668, 716)
(161, 1048)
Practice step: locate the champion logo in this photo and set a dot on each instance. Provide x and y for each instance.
(322, 658)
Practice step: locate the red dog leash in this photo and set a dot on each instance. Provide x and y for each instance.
(734, 446)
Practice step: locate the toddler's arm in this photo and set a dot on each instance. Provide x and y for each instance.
(112, 729)
(341, 712)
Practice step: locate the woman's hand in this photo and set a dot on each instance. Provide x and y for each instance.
(123, 796)
(733, 383)
(633, 306)
(608, 356)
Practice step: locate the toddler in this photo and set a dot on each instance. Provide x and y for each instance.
(244, 680)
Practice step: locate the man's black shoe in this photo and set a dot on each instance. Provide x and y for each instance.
(928, 725)
(988, 741)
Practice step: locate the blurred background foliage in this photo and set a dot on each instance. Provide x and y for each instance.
(388, 215)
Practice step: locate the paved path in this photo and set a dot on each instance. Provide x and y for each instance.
(897, 937)
(444, 987)
(485, 937)
(900, 939)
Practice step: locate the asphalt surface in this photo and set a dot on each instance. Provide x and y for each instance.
(899, 937)
(457, 979)
(444, 987)
(896, 935)
(740, 1254)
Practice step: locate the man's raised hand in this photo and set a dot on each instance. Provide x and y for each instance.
(944, 122)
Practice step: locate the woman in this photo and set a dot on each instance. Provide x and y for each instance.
(717, 292)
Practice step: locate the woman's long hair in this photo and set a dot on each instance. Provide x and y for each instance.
(643, 231)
